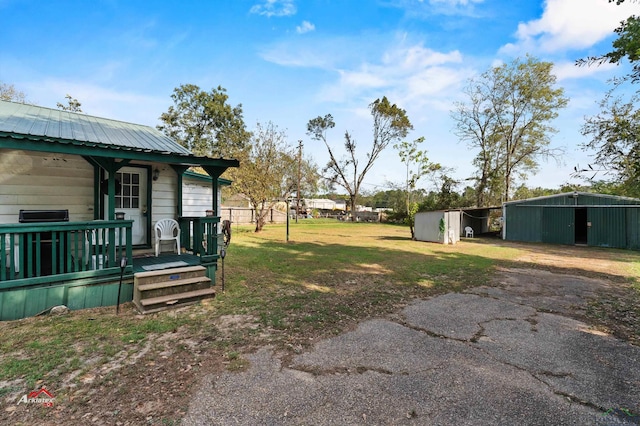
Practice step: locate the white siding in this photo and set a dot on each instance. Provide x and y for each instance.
(163, 198)
(30, 180)
(196, 197)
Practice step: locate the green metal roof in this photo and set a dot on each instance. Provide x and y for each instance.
(206, 178)
(583, 197)
(56, 124)
(35, 128)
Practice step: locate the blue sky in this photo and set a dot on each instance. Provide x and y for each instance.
(287, 61)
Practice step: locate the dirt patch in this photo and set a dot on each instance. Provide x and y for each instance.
(229, 324)
(581, 260)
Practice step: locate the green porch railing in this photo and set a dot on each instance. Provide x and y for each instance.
(44, 253)
(199, 235)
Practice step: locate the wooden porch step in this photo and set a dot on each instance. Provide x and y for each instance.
(172, 299)
(162, 289)
(171, 271)
(173, 283)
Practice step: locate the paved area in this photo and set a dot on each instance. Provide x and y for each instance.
(501, 355)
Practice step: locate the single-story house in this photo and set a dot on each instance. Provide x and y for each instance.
(80, 194)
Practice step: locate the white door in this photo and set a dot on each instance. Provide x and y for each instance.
(132, 200)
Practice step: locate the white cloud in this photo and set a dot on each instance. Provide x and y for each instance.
(285, 55)
(408, 74)
(271, 8)
(423, 8)
(454, 3)
(99, 101)
(324, 53)
(305, 27)
(566, 70)
(569, 24)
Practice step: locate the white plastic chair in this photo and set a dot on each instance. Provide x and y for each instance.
(16, 253)
(468, 232)
(167, 229)
(93, 245)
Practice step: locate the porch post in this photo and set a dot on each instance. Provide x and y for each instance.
(96, 193)
(215, 173)
(179, 195)
(214, 198)
(179, 171)
(111, 166)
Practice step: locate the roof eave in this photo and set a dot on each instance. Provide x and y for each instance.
(65, 146)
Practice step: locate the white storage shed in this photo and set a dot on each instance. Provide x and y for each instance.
(441, 226)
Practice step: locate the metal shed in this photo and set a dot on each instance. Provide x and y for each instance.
(574, 218)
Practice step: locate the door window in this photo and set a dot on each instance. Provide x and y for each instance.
(129, 197)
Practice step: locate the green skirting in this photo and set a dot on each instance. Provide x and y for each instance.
(29, 300)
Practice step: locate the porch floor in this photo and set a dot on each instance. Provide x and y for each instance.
(149, 262)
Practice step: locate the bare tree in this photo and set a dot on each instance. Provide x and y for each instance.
(8, 92)
(73, 105)
(390, 123)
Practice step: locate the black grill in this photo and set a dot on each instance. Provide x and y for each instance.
(35, 216)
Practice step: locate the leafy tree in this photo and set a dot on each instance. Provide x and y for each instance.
(390, 123)
(268, 171)
(627, 45)
(8, 92)
(507, 117)
(446, 197)
(73, 105)
(417, 164)
(615, 138)
(523, 192)
(615, 131)
(395, 199)
(204, 122)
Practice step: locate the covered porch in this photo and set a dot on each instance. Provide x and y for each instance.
(80, 264)
(114, 181)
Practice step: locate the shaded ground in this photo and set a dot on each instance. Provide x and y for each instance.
(155, 383)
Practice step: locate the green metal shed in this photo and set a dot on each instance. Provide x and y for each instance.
(574, 218)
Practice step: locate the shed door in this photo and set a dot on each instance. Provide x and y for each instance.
(558, 225)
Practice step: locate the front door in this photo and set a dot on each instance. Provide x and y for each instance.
(132, 200)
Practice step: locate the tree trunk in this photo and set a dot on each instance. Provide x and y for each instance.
(259, 219)
(353, 208)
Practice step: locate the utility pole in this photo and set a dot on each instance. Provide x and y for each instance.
(299, 177)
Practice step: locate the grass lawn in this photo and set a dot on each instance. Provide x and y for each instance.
(329, 276)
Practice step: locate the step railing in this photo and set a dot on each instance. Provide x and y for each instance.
(54, 251)
(199, 235)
